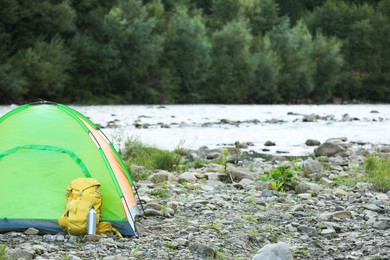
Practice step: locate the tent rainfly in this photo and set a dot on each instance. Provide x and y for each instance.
(43, 147)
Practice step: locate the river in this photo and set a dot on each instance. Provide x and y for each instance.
(193, 126)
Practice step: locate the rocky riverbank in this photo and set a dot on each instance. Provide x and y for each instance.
(228, 211)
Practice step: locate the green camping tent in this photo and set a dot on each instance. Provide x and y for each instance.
(43, 147)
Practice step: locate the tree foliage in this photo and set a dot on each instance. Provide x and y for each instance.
(231, 57)
(188, 55)
(194, 51)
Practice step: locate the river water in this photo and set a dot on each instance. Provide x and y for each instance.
(193, 126)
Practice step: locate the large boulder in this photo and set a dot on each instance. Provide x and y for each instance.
(240, 174)
(162, 176)
(305, 187)
(187, 177)
(331, 147)
(311, 166)
(279, 251)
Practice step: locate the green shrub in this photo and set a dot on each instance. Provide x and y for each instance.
(151, 158)
(378, 171)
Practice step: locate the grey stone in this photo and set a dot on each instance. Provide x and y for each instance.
(297, 208)
(311, 232)
(368, 214)
(202, 249)
(382, 197)
(304, 187)
(153, 212)
(154, 206)
(207, 188)
(173, 205)
(39, 249)
(328, 149)
(162, 176)
(312, 142)
(168, 213)
(239, 175)
(269, 143)
(304, 196)
(182, 242)
(212, 176)
(381, 224)
(215, 184)
(187, 177)
(91, 238)
(342, 214)
(31, 231)
(333, 225)
(268, 193)
(325, 181)
(339, 192)
(260, 216)
(114, 257)
(311, 166)
(246, 182)
(371, 207)
(310, 118)
(279, 251)
(328, 233)
(60, 238)
(325, 217)
(208, 212)
(18, 253)
(213, 155)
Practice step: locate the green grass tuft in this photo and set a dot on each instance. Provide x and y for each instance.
(3, 249)
(151, 158)
(378, 171)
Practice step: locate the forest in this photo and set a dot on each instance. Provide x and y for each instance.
(195, 51)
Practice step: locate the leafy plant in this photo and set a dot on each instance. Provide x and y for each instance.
(281, 178)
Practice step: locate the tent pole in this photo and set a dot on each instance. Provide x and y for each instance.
(139, 199)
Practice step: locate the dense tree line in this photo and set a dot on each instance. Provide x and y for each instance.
(194, 51)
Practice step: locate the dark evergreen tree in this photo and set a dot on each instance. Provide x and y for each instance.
(34, 60)
(223, 12)
(265, 83)
(329, 64)
(44, 68)
(262, 15)
(233, 64)
(187, 56)
(294, 47)
(133, 34)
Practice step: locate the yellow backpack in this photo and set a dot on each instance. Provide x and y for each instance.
(83, 194)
